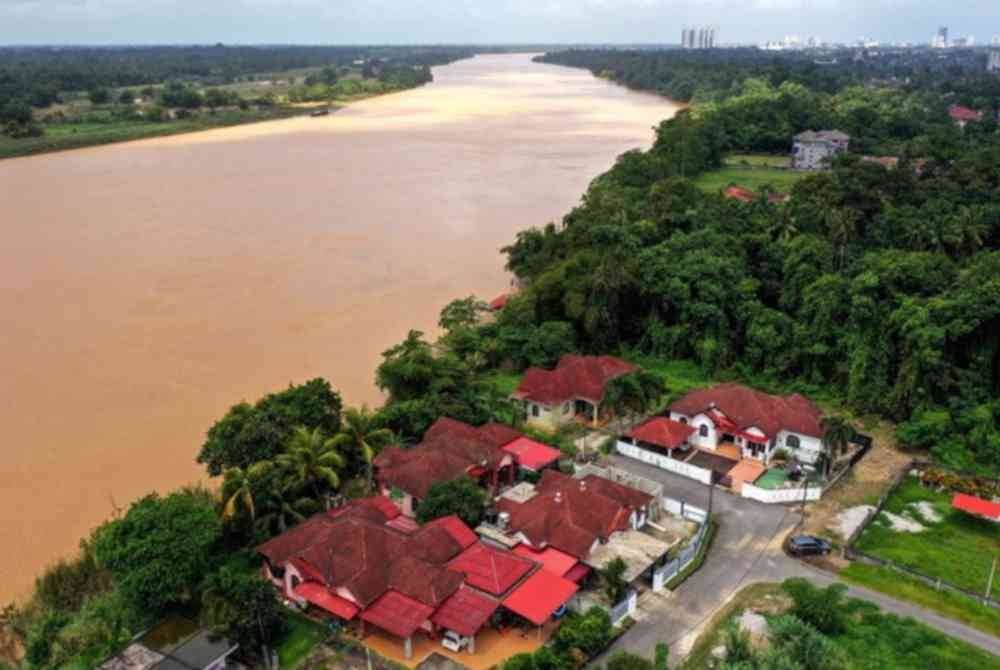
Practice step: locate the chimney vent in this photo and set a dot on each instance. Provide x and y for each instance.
(558, 496)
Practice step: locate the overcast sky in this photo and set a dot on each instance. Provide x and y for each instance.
(465, 21)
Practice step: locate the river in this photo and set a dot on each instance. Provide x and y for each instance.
(149, 286)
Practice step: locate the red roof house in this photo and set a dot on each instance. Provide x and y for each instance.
(663, 433)
(539, 596)
(499, 302)
(490, 569)
(962, 115)
(740, 193)
(550, 396)
(532, 455)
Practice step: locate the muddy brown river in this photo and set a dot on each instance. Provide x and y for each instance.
(146, 287)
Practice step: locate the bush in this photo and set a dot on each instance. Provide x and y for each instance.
(623, 660)
(460, 496)
(824, 609)
(65, 585)
(589, 633)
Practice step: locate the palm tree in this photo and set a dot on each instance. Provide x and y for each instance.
(784, 227)
(361, 433)
(282, 507)
(841, 227)
(238, 489)
(311, 461)
(837, 436)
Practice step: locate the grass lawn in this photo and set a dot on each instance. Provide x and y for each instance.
(947, 603)
(958, 549)
(680, 376)
(302, 637)
(757, 160)
(752, 178)
(771, 479)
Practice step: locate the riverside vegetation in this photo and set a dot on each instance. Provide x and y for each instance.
(878, 288)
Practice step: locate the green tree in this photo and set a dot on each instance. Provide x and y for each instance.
(613, 577)
(462, 496)
(623, 660)
(837, 436)
(634, 394)
(161, 549)
(661, 656)
(239, 490)
(590, 632)
(243, 608)
(361, 437)
(312, 462)
(99, 96)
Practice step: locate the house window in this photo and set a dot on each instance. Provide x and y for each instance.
(684, 419)
(792, 442)
(535, 411)
(703, 430)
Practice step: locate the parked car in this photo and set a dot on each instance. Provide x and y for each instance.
(453, 641)
(807, 545)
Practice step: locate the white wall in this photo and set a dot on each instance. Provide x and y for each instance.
(661, 461)
(809, 449)
(780, 495)
(710, 441)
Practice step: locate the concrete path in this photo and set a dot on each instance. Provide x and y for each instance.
(747, 549)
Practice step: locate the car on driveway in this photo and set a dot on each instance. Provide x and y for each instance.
(807, 545)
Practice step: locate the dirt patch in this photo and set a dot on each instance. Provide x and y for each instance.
(864, 485)
(852, 518)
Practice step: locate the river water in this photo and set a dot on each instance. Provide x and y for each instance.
(146, 287)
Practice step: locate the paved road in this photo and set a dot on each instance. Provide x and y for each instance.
(747, 549)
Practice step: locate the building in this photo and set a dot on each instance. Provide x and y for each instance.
(993, 62)
(491, 454)
(814, 150)
(176, 643)
(963, 115)
(698, 38)
(757, 424)
(574, 388)
(940, 40)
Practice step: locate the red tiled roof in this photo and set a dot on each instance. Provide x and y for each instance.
(532, 455)
(740, 193)
(662, 432)
(539, 596)
(977, 506)
(456, 528)
(465, 611)
(574, 377)
(449, 450)
(572, 514)
(960, 113)
(321, 597)
(553, 560)
(745, 407)
(404, 524)
(398, 614)
(489, 569)
(499, 302)
(577, 573)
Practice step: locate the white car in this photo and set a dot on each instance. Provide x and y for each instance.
(453, 641)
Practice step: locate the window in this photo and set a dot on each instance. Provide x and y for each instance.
(566, 408)
(535, 411)
(703, 430)
(684, 419)
(792, 442)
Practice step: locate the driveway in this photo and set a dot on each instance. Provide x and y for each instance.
(746, 549)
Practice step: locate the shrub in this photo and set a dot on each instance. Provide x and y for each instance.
(824, 609)
(590, 633)
(623, 660)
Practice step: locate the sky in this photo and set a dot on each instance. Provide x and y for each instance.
(483, 21)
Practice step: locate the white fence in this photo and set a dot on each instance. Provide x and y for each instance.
(683, 509)
(781, 495)
(665, 573)
(663, 462)
(624, 608)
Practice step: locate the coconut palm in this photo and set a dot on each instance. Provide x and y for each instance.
(837, 436)
(311, 462)
(634, 393)
(282, 507)
(239, 488)
(361, 434)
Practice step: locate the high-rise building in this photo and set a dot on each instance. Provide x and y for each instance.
(993, 64)
(698, 38)
(940, 40)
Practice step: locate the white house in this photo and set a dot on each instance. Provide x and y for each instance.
(759, 424)
(813, 150)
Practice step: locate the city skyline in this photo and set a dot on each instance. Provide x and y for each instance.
(484, 21)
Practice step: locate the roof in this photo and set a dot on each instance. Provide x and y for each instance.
(489, 569)
(539, 596)
(321, 597)
(455, 528)
(530, 454)
(572, 515)
(977, 506)
(822, 136)
(499, 302)
(553, 560)
(960, 113)
(397, 614)
(662, 432)
(450, 449)
(637, 549)
(745, 407)
(740, 193)
(465, 611)
(577, 573)
(584, 377)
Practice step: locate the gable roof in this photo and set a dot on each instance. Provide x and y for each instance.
(575, 376)
(745, 407)
(491, 570)
(960, 113)
(571, 514)
(448, 451)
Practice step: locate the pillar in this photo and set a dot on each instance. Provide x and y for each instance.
(596, 410)
(408, 648)
(472, 643)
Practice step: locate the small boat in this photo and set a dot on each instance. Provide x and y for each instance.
(321, 112)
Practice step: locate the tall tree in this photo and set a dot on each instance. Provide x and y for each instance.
(361, 437)
(837, 436)
(312, 462)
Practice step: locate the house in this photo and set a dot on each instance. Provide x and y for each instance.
(176, 643)
(756, 423)
(573, 515)
(575, 387)
(813, 150)
(491, 454)
(963, 115)
(746, 195)
(499, 302)
(662, 434)
(358, 566)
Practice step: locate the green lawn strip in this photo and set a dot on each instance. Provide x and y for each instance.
(302, 637)
(758, 160)
(959, 549)
(751, 178)
(946, 603)
(771, 479)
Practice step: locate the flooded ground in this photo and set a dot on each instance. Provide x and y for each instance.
(147, 287)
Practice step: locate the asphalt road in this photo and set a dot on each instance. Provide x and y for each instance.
(746, 549)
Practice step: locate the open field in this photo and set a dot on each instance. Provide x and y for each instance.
(753, 178)
(63, 136)
(957, 548)
(757, 160)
